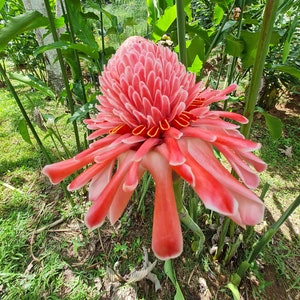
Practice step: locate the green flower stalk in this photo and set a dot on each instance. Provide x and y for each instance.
(263, 46)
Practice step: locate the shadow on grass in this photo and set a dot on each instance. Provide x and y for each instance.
(33, 162)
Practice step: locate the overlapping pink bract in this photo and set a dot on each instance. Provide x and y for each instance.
(156, 118)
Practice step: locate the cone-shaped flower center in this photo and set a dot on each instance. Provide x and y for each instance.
(146, 91)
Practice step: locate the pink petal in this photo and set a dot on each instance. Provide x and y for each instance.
(250, 211)
(211, 191)
(252, 159)
(186, 172)
(166, 235)
(111, 153)
(97, 133)
(125, 191)
(202, 134)
(97, 145)
(173, 133)
(132, 178)
(236, 142)
(245, 173)
(119, 204)
(242, 195)
(82, 179)
(99, 181)
(232, 116)
(60, 170)
(99, 210)
(145, 148)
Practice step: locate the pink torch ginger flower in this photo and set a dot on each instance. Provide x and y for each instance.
(156, 118)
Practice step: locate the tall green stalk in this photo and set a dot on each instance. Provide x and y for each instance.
(70, 101)
(181, 31)
(262, 51)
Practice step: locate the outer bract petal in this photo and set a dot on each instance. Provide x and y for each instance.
(60, 170)
(99, 210)
(166, 235)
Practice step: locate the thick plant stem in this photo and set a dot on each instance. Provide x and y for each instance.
(181, 31)
(64, 72)
(185, 218)
(263, 45)
(23, 111)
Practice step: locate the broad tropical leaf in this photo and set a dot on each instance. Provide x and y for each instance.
(33, 82)
(19, 24)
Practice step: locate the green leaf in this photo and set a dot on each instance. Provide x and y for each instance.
(19, 24)
(250, 40)
(234, 46)
(83, 48)
(129, 21)
(2, 4)
(288, 40)
(81, 24)
(228, 25)
(196, 66)
(234, 290)
(23, 130)
(218, 14)
(153, 11)
(294, 71)
(33, 82)
(82, 112)
(168, 268)
(195, 47)
(195, 54)
(187, 8)
(164, 22)
(274, 125)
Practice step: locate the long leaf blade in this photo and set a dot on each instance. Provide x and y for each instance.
(19, 24)
(33, 82)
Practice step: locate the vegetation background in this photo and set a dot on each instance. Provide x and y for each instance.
(51, 53)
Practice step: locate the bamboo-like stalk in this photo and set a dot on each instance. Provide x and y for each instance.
(262, 51)
(181, 31)
(70, 101)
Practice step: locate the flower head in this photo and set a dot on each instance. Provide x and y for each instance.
(155, 118)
